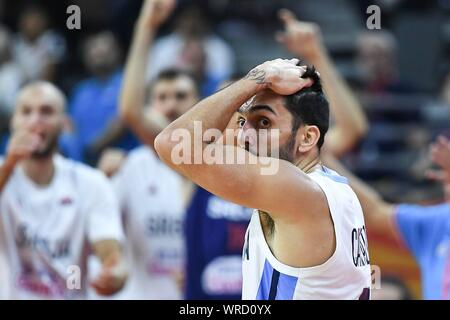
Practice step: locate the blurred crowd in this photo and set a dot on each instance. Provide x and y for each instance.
(399, 74)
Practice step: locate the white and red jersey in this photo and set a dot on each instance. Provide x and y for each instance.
(46, 231)
(151, 198)
(345, 275)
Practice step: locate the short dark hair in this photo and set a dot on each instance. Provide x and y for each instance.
(170, 74)
(309, 106)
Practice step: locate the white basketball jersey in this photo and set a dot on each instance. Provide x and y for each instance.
(46, 231)
(345, 275)
(151, 197)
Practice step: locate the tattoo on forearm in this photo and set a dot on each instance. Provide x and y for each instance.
(257, 75)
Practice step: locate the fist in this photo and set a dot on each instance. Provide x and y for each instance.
(281, 76)
(300, 38)
(22, 145)
(112, 278)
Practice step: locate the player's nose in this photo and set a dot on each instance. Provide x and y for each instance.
(247, 138)
(33, 121)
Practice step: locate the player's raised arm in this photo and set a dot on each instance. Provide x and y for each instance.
(304, 40)
(244, 183)
(132, 99)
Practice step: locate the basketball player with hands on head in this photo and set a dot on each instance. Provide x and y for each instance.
(301, 240)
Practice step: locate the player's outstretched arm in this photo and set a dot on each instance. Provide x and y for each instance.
(132, 98)
(244, 184)
(304, 40)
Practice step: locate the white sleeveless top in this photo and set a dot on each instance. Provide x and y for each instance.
(150, 195)
(345, 275)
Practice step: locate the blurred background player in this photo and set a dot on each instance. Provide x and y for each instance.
(153, 197)
(193, 46)
(423, 229)
(94, 102)
(53, 211)
(38, 49)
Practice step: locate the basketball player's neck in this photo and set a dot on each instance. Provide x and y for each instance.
(40, 171)
(309, 162)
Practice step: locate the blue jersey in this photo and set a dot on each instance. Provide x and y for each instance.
(426, 231)
(215, 231)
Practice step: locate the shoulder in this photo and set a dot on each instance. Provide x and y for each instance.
(328, 175)
(332, 183)
(136, 160)
(80, 172)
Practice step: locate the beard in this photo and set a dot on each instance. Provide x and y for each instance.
(285, 152)
(47, 150)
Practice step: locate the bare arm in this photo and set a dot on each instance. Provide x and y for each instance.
(113, 132)
(114, 272)
(243, 183)
(132, 99)
(304, 39)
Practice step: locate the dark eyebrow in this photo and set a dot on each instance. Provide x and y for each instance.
(257, 108)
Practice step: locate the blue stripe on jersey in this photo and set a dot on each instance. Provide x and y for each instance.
(275, 285)
(265, 282)
(286, 287)
(334, 177)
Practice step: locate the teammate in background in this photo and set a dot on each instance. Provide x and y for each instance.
(53, 210)
(152, 196)
(424, 229)
(214, 268)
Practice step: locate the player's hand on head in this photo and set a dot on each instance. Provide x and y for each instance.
(282, 76)
(112, 278)
(300, 38)
(111, 160)
(22, 144)
(155, 12)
